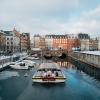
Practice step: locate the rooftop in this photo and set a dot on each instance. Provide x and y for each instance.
(91, 52)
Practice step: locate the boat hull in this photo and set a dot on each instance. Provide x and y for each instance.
(40, 80)
(18, 67)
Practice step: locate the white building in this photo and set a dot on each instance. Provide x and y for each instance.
(12, 41)
(49, 41)
(36, 41)
(84, 41)
(99, 43)
(84, 44)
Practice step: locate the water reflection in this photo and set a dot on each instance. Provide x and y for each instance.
(89, 69)
(65, 64)
(80, 66)
(48, 85)
(1, 98)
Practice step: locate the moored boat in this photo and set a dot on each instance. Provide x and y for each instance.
(19, 65)
(49, 73)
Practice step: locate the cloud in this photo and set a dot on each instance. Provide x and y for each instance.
(49, 16)
(23, 13)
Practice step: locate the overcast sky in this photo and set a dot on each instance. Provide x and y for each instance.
(51, 16)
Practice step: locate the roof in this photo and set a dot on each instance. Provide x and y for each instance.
(49, 65)
(8, 33)
(91, 52)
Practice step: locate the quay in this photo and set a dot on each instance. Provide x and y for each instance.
(6, 60)
(87, 61)
(89, 57)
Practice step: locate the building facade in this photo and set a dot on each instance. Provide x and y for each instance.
(65, 42)
(93, 44)
(12, 41)
(24, 41)
(99, 43)
(42, 44)
(49, 41)
(36, 41)
(84, 41)
(2, 42)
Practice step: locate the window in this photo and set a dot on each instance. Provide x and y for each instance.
(7, 47)
(11, 42)
(7, 38)
(7, 42)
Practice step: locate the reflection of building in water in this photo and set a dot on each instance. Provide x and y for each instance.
(65, 64)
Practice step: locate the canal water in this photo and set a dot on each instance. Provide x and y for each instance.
(78, 86)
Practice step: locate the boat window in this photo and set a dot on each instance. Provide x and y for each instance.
(22, 64)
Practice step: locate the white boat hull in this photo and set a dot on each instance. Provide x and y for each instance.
(18, 67)
(40, 81)
(48, 81)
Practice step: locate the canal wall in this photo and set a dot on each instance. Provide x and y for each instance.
(90, 57)
(88, 63)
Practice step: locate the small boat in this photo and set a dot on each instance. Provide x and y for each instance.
(49, 73)
(30, 63)
(19, 65)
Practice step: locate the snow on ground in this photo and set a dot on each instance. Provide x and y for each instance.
(91, 52)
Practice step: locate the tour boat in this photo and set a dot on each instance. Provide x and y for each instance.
(49, 73)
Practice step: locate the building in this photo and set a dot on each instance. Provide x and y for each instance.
(49, 41)
(2, 42)
(84, 41)
(60, 41)
(42, 44)
(12, 41)
(65, 42)
(93, 44)
(24, 41)
(36, 41)
(99, 43)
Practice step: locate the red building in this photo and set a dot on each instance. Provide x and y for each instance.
(66, 42)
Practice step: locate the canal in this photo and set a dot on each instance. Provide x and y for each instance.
(78, 86)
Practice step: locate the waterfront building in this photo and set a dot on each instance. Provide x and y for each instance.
(49, 41)
(65, 42)
(99, 43)
(36, 41)
(84, 41)
(12, 41)
(93, 44)
(2, 42)
(60, 41)
(42, 44)
(24, 41)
